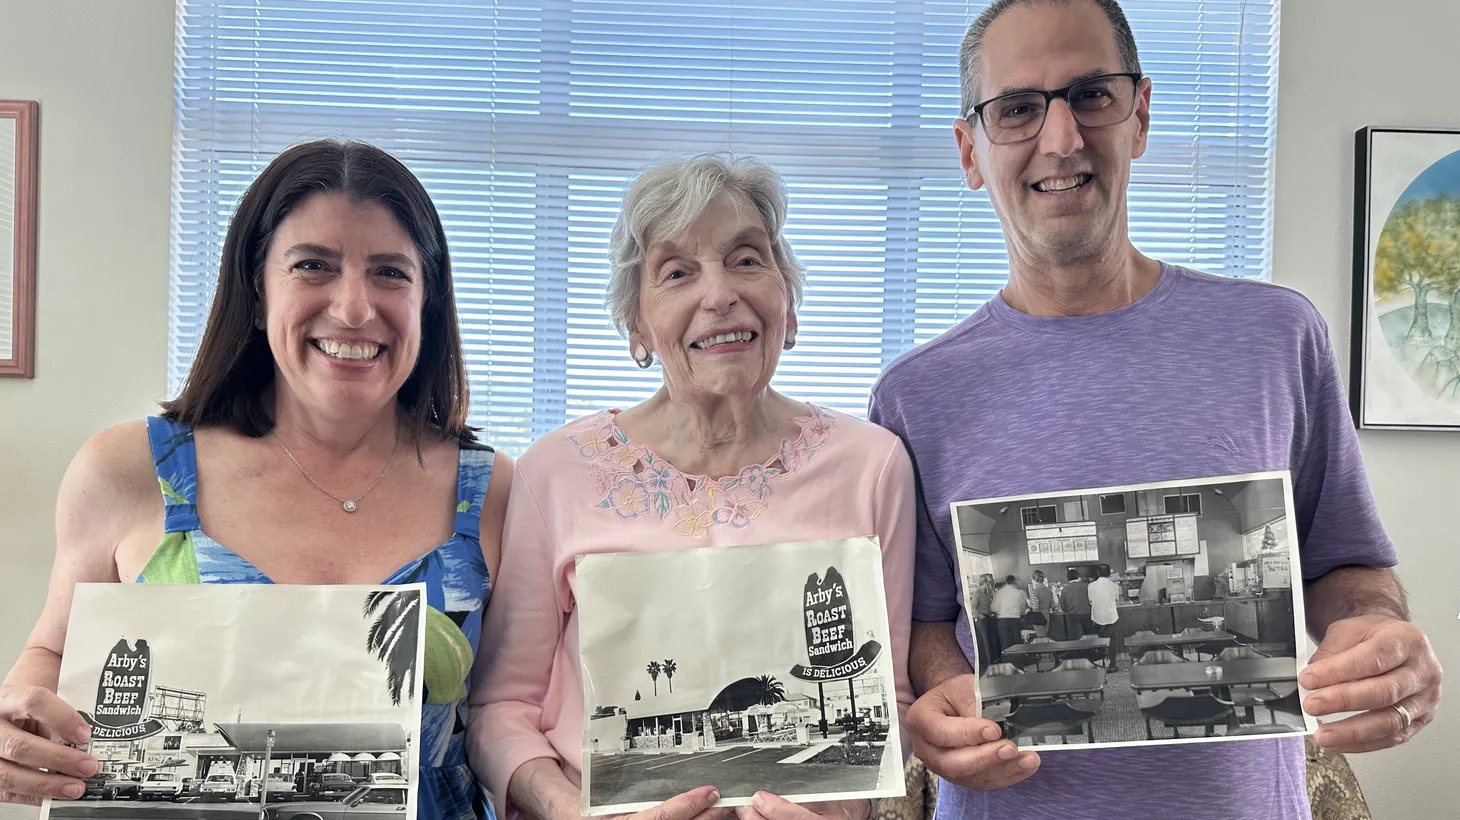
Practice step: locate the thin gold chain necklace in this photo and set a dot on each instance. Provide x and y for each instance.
(349, 505)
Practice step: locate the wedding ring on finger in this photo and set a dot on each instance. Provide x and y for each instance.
(1405, 716)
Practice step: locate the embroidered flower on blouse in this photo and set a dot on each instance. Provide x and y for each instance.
(694, 519)
(659, 477)
(632, 480)
(816, 432)
(752, 480)
(601, 480)
(628, 499)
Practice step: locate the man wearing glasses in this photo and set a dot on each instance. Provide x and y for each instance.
(1067, 379)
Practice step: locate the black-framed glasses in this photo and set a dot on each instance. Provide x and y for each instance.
(1095, 102)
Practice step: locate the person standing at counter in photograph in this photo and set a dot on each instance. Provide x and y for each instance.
(1104, 600)
(1075, 601)
(985, 627)
(1041, 605)
(1010, 604)
(1055, 108)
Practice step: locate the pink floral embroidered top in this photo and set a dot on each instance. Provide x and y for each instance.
(588, 488)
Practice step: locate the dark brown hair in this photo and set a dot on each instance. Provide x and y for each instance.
(234, 368)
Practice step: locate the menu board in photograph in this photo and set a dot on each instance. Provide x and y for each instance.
(1137, 539)
(1060, 543)
(1187, 541)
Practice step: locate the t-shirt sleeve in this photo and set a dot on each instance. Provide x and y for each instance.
(935, 576)
(1338, 521)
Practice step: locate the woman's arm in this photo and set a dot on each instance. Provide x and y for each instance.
(107, 490)
(494, 512)
(896, 524)
(521, 631)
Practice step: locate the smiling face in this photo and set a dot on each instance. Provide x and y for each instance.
(342, 291)
(713, 305)
(1061, 195)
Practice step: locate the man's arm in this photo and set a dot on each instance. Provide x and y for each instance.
(1348, 592)
(934, 655)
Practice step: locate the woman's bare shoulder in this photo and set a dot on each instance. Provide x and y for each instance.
(110, 480)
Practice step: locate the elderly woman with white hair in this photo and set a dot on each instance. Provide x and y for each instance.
(705, 285)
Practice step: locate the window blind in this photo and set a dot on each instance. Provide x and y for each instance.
(525, 119)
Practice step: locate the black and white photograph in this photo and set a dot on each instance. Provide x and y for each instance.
(748, 668)
(1137, 615)
(246, 700)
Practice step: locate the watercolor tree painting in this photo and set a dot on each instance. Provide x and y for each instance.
(1416, 280)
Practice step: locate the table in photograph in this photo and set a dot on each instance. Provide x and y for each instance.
(1041, 684)
(1193, 674)
(1055, 649)
(1179, 641)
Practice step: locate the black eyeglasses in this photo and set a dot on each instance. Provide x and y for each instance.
(1096, 102)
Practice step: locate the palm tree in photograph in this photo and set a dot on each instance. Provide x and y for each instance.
(670, 667)
(653, 670)
(769, 691)
(392, 635)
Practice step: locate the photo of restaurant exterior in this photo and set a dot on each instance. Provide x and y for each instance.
(191, 748)
(1150, 613)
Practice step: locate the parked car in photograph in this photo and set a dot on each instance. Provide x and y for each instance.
(110, 786)
(219, 786)
(332, 786)
(161, 786)
(387, 777)
(278, 785)
(366, 801)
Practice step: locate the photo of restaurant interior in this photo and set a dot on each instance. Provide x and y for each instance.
(1152, 613)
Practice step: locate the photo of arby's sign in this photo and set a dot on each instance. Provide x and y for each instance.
(830, 639)
(775, 675)
(121, 695)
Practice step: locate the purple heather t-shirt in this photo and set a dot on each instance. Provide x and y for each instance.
(1203, 376)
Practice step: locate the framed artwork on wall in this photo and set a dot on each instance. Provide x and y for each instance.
(18, 146)
(1406, 293)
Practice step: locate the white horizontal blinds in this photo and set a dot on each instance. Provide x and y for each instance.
(1201, 194)
(816, 89)
(526, 119)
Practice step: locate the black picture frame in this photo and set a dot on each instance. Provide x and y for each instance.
(1363, 336)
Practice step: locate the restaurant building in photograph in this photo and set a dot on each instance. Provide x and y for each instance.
(1148, 598)
(690, 720)
(190, 748)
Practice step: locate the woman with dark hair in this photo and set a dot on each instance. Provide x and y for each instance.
(331, 349)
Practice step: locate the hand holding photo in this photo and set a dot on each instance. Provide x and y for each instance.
(749, 669)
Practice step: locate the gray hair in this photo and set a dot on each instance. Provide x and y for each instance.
(668, 196)
(970, 51)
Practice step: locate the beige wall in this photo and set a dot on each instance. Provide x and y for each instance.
(1347, 64)
(102, 72)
